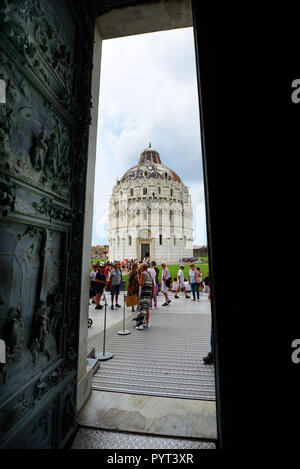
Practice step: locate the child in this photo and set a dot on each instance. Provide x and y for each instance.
(174, 284)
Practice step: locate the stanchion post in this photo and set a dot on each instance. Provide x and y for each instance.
(104, 355)
(124, 332)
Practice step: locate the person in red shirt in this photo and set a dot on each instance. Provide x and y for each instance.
(107, 270)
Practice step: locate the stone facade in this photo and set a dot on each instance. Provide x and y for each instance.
(150, 213)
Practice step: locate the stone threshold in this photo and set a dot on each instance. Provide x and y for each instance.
(150, 415)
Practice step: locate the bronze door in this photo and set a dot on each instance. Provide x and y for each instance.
(46, 52)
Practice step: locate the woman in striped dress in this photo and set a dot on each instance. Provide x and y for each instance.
(147, 285)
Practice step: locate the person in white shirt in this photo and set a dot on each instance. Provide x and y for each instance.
(174, 285)
(166, 281)
(153, 275)
(194, 279)
(180, 277)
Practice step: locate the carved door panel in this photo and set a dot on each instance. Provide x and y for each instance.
(45, 62)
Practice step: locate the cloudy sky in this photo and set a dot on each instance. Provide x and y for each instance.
(148, 93)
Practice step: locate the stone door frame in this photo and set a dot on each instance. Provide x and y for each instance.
(119, 22)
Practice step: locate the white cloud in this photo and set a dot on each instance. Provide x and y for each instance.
(148, 93)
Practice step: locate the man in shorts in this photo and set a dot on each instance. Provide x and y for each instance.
(180, 278)
(165, 280)
(116, 279)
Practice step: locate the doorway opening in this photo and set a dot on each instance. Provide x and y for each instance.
(119, 216)
(145, 251)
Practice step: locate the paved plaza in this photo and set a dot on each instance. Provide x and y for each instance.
(179, 306)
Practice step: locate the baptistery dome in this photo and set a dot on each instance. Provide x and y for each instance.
(150, 213)
(150, 166)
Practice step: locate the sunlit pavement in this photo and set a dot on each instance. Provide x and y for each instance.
(181, 305)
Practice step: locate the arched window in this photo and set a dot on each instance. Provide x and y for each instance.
(129, 240)
(171, 192)
(131, 192)
(144, 191)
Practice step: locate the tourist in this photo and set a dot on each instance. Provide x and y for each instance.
(147, 285)
(209, 359)
(193, 279)
(100, 282)
(107, 270)
(166, 282)
(174, 285)
(187, 286)
(93, 282)
(206, 284)
(157, 277)
(133, 283)
(115, 278)
(153, 275)
(199, 278)
(180, 277)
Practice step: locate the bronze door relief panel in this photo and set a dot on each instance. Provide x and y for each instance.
(46, 52)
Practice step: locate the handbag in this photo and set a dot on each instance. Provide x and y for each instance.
(131, 300)
(168, 282)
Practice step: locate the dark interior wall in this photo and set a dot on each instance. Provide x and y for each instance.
(246, 65)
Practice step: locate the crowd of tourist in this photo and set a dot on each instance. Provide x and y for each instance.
(109, 277)
(145, 283)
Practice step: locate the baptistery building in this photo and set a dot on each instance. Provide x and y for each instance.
(150, 213)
